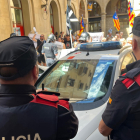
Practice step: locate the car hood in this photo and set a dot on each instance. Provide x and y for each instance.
(88, 121)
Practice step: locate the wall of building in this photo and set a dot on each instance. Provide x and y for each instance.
(107, 10)
(26, 16)
(5, 20)
(35, 16)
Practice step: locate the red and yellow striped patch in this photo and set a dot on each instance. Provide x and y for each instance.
(110, 100)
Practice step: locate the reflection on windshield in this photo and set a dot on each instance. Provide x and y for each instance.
(99, 76)
(81, 81)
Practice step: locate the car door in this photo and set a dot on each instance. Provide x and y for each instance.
(128, 59)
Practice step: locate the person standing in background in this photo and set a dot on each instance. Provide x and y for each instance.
(40, 43)
(50, 50)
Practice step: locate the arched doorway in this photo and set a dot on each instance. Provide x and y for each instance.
(20, 17)
(54, 18)
(121, 7)
(17, 18)
(95, 17)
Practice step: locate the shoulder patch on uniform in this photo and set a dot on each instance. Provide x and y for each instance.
(128, 82)
(64, 104)
(124, 74)
(110, 100)
(50, 100)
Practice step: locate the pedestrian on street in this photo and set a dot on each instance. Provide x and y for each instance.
(76, 41)
(50, 50)
(40, 43)
(60, 41)
(84, 38)
(109, 36)
(24, 113)
(67, 42)
(121, 119)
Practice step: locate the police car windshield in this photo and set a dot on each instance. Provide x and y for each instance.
(81, 81)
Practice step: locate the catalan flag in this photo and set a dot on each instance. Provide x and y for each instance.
(131, 14)
(116, 21)
(82, 27)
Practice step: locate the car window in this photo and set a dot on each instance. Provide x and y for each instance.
(82, 81)
(128, 59)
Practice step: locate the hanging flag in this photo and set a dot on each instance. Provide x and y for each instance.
(90, 6)
(116, 21)
(72, 22)
(131, 14)
(82, 27)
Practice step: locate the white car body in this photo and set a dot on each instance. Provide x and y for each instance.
(89, 119)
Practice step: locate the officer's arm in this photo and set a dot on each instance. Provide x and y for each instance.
(55, 49)
(64, 46)
(43, 51)
(67, 126)
(34, 38)
(104, 129)
(117, 109)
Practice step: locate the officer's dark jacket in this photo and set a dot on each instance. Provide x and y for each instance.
(26, 116)
(123, 109)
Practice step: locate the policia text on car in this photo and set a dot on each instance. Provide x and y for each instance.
(25, 114)
(121, 118)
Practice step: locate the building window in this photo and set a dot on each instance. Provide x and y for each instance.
(71, 82)
(90, 73)
(17, 18)
(96, 10)
(122, 6)
(86, 87)
(94, 26)
(81, 85)
(85, 70)
(124, 23)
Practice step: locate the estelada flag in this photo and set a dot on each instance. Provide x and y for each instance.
(131, 14)
(82, 27)
(90, 6)
(116, 21)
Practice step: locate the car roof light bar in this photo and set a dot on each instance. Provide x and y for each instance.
(101, 46)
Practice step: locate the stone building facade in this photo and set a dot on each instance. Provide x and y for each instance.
(101, 16)
(46, 15)
(50, 15)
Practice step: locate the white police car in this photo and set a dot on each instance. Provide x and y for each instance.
(86, 76)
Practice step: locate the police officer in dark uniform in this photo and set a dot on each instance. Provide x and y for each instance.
(50, 50)
(84, 38)
(25, 114)
(121, 118)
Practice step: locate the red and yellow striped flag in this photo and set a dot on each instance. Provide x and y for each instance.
(116, 21)
(82, 27)
(131, 14)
